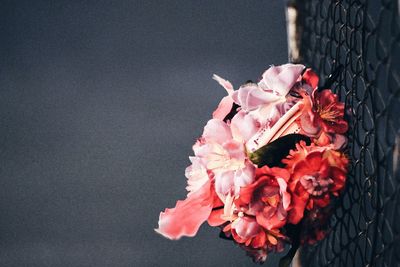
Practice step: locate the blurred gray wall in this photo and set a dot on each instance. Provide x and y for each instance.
(100, 103)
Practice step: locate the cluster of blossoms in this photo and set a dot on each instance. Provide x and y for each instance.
(269, 161)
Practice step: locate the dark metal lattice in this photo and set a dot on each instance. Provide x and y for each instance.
(364, 37)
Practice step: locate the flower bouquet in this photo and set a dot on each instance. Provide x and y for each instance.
(267, 166)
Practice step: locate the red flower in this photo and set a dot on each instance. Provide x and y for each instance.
(323, 113)
(315, 226)
(267, 198)
(259, 211)
(317, 173)
(330, 112)
(246, 230)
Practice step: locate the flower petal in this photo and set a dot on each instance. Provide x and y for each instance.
(244, 177)
(196, 174)
(217, 131)
(282, 78)
(224, 182)
(187, 216)
(215, 217)
(285, 195)
(224, 83)
(223, 108)
(311, 78)
(243, 126)
(246, 227)
(297, 211)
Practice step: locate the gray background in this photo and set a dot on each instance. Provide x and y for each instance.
(100, 104)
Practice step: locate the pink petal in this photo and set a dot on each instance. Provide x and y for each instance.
(217, 131)
(240, 96)
(259, 97)
(282, 78)
(268, 115)
(235, 150)
(308, 126)
(285, 195)
(246, 227)
(340, 141)
(244, 177)
(244, 126)
(249, 97)
(224, 182)
(223, 108)
(187, 216)
(196, 174)
(226, 103)
(224, 83)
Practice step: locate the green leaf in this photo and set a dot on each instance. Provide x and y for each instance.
(273, 153)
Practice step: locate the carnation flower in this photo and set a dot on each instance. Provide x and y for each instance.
(245, 230)
(316, 174)
(267, 198)
(265, 100)
(222, 152)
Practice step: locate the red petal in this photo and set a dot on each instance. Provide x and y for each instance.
(311, 78)
(259, 240)
(215, 217)
(322, 202)
(297, 212)
(272, 222)
(185, 219)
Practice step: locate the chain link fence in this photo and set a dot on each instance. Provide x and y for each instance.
(364, 38)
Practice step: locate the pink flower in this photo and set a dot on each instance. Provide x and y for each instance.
(271, 103)
(250, 97)
(244, 126)
(222, 152)
(281, 78)
(266, 99)
(219, 168)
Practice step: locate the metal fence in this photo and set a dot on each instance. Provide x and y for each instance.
(364, 37)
